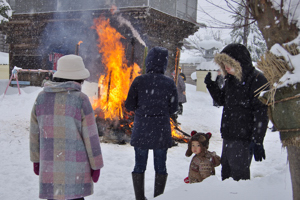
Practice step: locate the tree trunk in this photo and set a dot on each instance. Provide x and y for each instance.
(275, 28)
(272, 23)
(294, 161)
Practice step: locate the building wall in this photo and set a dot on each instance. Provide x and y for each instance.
(184, 9)
(3, 46)
(33, 37)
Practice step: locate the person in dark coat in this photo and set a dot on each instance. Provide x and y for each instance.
(244, 119)
(153, 97)
(182, 74)
(181, 92)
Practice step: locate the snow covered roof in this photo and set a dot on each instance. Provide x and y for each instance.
(189, 58)
(4, 58)
(208, 66)
(209, 44)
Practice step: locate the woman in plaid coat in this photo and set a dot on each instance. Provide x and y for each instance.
(64, 141)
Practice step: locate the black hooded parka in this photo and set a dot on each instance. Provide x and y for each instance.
(244, 116)
(153, 97)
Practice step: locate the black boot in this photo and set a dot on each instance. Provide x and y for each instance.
(180, 109)
(138, 185)
(160, 183)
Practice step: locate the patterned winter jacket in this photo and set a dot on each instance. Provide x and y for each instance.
(202, 166)
(64, 140)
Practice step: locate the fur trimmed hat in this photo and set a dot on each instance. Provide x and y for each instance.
(236, 56)
(202, 138)
(71, 67)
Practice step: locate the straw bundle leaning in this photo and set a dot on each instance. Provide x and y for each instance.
(274, 67)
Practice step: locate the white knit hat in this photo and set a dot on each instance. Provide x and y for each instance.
(71, 67)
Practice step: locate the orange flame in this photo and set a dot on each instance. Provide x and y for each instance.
(175, 134)
(79, 42)
(116, 83)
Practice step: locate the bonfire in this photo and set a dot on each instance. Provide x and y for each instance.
(114, 122)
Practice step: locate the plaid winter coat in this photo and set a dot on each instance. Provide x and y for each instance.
(64, 140)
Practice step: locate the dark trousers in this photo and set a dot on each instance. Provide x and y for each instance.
(235, 160)
(215, 104)
(180, 108)
(141, 157)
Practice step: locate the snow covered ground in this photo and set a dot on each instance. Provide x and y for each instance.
(270, 179)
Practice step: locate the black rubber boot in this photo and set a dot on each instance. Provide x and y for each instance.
(138, 185)
(160, 183)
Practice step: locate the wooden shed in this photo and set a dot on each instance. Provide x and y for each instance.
(42, 30)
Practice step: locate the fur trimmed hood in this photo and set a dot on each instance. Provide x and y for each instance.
(237, 56)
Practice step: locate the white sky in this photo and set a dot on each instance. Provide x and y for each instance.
(207, 11)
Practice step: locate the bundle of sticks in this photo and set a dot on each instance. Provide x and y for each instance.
(274, 67)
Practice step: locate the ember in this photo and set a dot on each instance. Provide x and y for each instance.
(181, 136)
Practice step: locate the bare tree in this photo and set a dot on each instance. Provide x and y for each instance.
(273, 24)
(246, 31)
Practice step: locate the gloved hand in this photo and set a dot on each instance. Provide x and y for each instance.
(207, 79)
(187, 180)
(36, 168)
(258, 151)
(95, 175)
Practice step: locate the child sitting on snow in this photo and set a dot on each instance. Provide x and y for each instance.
(204, 162)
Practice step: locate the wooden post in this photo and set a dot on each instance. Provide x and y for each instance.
(144, 60)
(108, 87)
(132, 58)
(177, 65)
(77, 48)
(99, 90)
